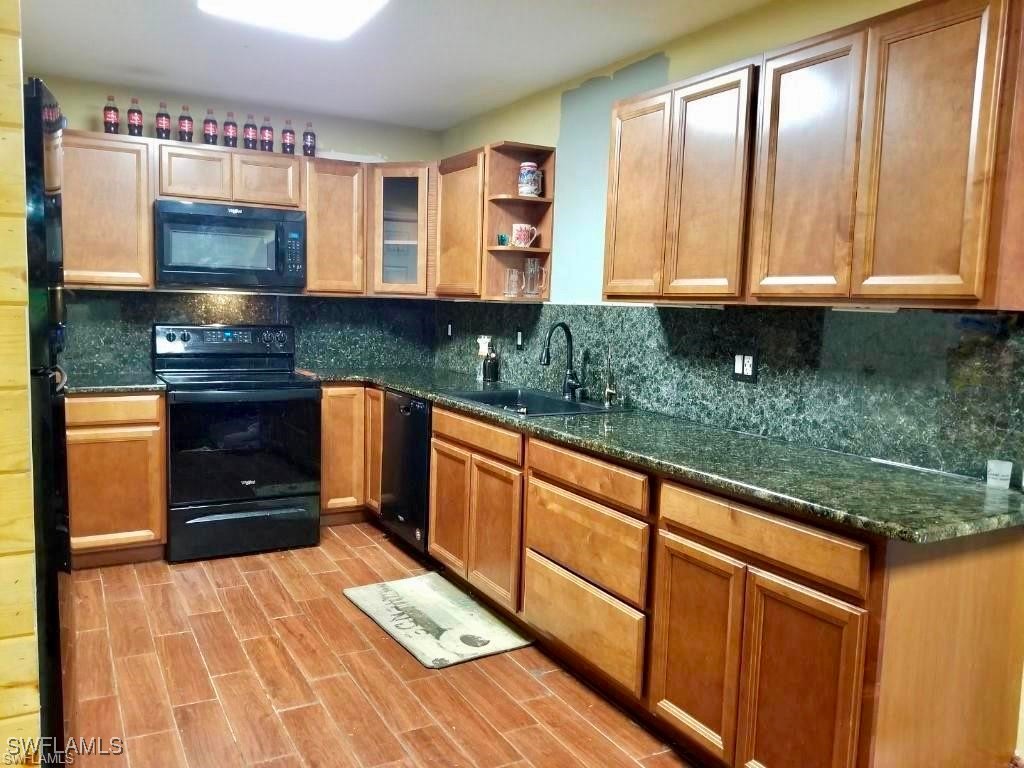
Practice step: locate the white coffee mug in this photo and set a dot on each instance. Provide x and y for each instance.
(523, 235)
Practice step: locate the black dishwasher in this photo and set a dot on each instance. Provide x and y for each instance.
(405, 468)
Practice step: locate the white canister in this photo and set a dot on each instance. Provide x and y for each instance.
(530, 179)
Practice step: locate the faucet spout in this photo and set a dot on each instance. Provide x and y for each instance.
(571, 383)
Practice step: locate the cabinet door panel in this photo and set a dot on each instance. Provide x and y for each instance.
(189, 172)
(334, 227)
(803, 669)
(637, 197)
(105, 210)
(708, 185)
(450, 494)
(398, 223)
(928, 151)
(460, 228)
(105, 513)
(267, 178)
(374, 446)
(342, 444)
(698, 624)
(495, 530)
(804, 185)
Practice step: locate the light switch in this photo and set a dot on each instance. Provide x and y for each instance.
(738, 366)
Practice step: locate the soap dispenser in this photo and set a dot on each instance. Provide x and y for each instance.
(492, 364)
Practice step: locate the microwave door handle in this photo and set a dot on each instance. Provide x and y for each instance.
(281, 248)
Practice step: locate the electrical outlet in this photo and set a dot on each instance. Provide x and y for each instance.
(744, 367)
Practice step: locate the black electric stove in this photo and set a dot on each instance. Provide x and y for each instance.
(243, 440)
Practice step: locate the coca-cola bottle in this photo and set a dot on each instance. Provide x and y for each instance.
(309, 141)
(111, 117)
(288, 138)
(209, 128)
(162, 123)
(185, 124)
(267, 135)
(250, 133)
(230, 131)
(134, 118)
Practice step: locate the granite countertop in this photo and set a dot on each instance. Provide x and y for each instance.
(893, 502)
(113, 383)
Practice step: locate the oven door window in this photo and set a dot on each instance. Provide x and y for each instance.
(237, 451)
(195, 246)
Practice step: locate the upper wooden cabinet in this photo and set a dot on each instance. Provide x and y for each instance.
(187, 171)
(460, 224)
(928, 150)
(397, 228)
(266, 178)
(342, 445)
(106, 210)
(637, 197)
(804, 186)
(707, 193)
(334, 227)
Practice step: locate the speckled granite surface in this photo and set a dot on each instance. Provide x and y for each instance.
(113, 383)
(893, 502)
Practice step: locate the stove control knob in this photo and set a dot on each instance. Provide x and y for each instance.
(186, 336)
(267, 337)
(171, 336)
(281, 337)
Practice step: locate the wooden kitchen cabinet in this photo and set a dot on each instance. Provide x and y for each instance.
(495, 526)
(335, 250)
(698, 629)
(928, 149)
(803, 665)
(637, 197)
(106, 210)
(267, 179)
(708, 183)
(342, 469)
(802, 218)
(450, 499)
(109, 508)
(460, 191)
(397, 227)
(187, 171)
(374, 439)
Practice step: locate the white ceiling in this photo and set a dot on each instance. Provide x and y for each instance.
(422, 63)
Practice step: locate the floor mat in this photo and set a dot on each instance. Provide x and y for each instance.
(434, 620)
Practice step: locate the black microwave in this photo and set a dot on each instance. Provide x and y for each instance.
(229, 246)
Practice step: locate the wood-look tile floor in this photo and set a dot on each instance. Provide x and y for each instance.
(262, 661)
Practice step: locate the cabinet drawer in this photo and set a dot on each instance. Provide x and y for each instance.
(606, 632)
(598, 543)
(189, 172)
(824, 557)
(486, 438)
(113, 409)
(620, 487)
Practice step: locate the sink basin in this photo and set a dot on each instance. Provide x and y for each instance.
(529, 402)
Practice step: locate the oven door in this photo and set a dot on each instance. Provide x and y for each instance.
(232, 446)
(229, 246)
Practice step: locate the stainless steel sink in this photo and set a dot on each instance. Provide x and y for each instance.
(530, 402)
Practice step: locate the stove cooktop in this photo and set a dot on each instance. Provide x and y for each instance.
(237, 380)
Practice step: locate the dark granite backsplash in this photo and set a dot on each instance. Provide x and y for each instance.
(934, 389)
(110, 332)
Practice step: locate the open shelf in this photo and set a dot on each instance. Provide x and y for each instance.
(516, 249)
(521, 199)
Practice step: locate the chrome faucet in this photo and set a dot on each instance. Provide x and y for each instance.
(571, 383)
(611, 391)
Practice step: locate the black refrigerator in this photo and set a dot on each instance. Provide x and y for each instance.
(43, 126)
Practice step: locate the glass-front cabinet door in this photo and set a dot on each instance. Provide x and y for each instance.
(400, 229)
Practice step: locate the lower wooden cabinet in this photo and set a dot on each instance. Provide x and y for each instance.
(342, 425)
(111, 508)
(475, 524)
(374, 442)
(787, 694)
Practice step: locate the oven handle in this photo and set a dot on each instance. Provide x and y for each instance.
(244, 396)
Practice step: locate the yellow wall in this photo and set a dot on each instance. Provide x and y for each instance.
(82, 102)
(19, 678)
(536, 118)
